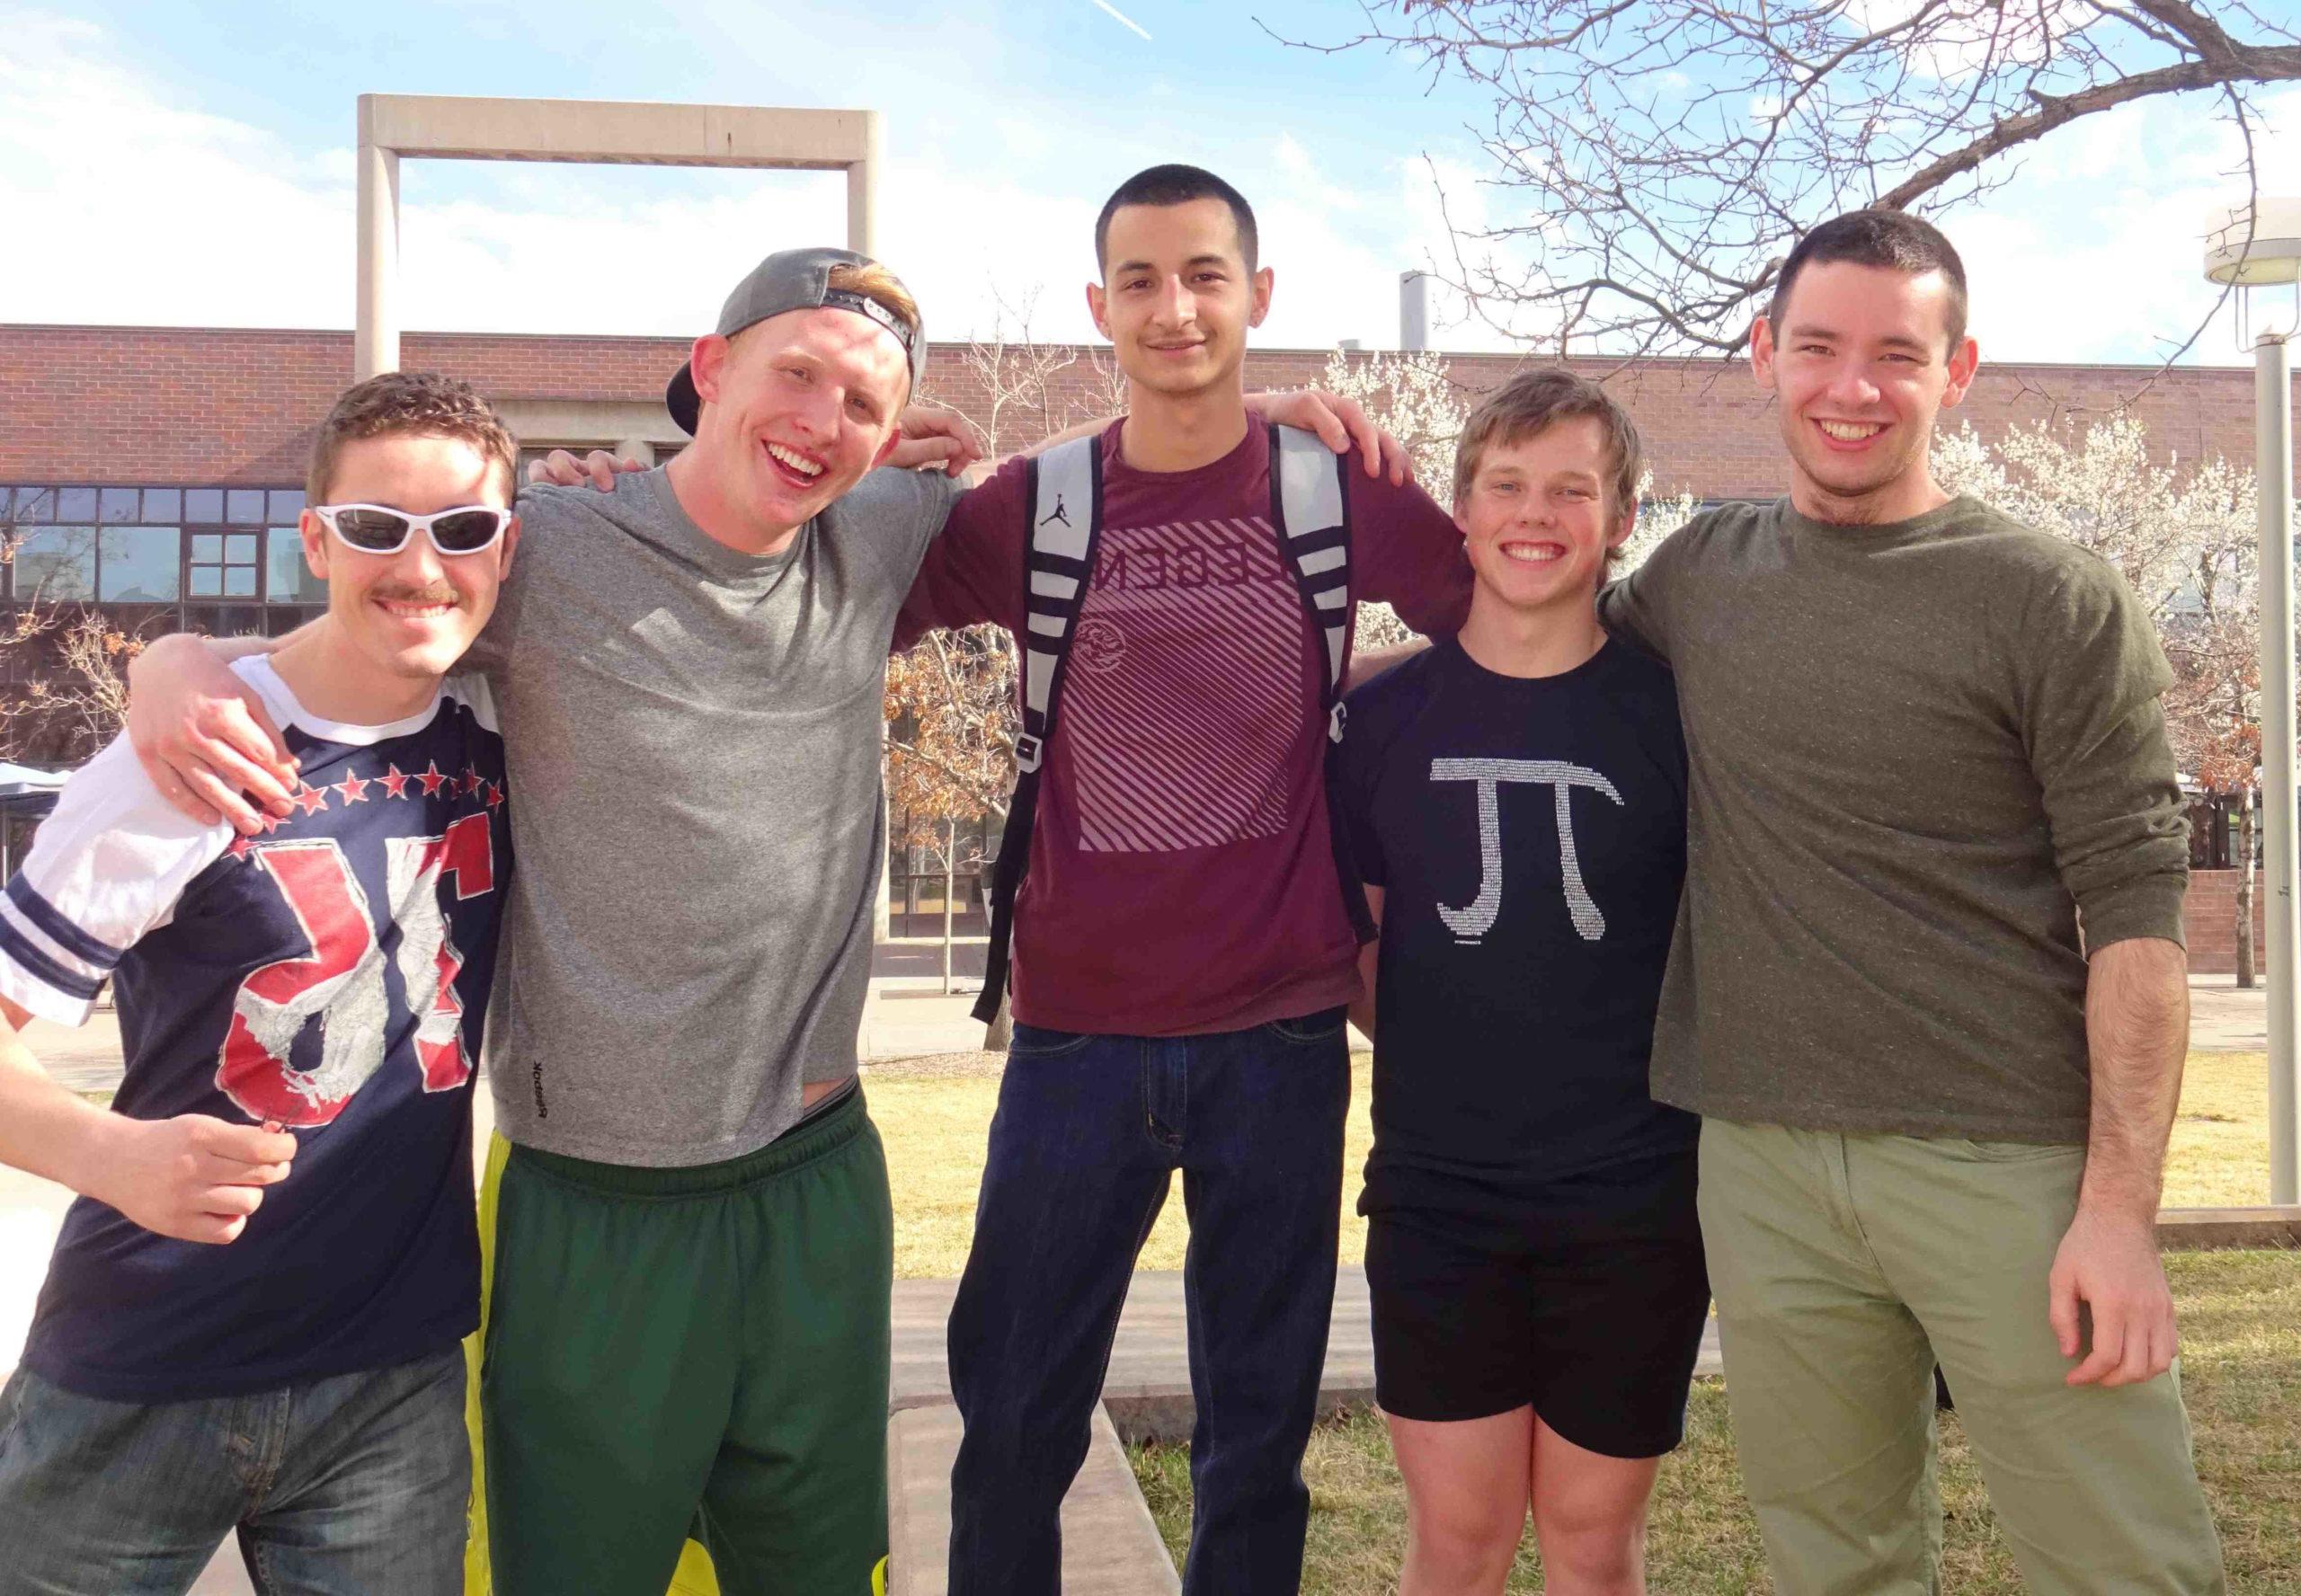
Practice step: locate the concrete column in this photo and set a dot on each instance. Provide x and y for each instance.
(2281, 871)
(375, 337)
(1414, 310)
(863, 188)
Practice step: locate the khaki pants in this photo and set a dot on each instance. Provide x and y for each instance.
(1844, 1268)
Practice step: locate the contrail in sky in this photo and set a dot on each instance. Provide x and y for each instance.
(1116, 14)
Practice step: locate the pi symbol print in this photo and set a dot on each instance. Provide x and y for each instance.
(1474, 919)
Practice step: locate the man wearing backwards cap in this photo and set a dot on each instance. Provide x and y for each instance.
(689, 1313)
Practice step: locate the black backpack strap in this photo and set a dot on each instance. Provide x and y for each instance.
(1310, 502)
(1063, 491)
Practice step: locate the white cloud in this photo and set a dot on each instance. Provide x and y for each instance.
(127, 205)
(2095, 251)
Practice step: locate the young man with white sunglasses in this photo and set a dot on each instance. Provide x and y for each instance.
(252, 1319)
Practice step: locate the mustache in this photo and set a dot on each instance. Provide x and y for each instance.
(404, 595)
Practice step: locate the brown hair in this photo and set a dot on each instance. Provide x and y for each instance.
(414, 404)
(1894, 240)
(1533, 402)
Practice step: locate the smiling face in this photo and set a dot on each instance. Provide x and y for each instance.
(411, 614)
(1537, 517)
(796, 409)
(1176, 297)
(1860, 366)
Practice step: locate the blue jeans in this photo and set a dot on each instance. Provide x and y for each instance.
(1088, 1131)
(357, 1486)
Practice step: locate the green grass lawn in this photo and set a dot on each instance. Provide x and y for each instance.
(2241, 1328)
(934, 1118)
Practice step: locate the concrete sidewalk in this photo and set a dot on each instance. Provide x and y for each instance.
(2225, 1020)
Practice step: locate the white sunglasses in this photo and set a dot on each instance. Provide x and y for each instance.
(379, 529)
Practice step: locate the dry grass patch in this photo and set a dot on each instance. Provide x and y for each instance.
(2219, 1156)
(935, 1112)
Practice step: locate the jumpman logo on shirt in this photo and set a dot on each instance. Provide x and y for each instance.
(1056, 514)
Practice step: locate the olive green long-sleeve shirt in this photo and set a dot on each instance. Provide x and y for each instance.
(1917, 754)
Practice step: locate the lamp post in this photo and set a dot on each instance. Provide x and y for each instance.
(2250, 247)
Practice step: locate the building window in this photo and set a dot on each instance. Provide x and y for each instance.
(55, 565)
(223, 566)
(138, 564)
(160, 547)
(288, 578)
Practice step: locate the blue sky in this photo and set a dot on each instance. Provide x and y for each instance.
(174, 163)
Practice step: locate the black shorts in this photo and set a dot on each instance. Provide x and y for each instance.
(1593, 1318)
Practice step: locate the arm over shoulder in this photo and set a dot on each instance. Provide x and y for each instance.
(1407, 552)
(973, 571)
(2088, 672)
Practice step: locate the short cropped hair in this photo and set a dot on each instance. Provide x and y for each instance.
(1177, 185)
(416, 405)
(1894, 240)
(1533, 402)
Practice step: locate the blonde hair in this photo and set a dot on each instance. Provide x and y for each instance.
(883, 287)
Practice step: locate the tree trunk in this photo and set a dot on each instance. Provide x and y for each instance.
(950, 848)
(2244, 938)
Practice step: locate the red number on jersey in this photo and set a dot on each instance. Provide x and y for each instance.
(429, 959)
(340, 980)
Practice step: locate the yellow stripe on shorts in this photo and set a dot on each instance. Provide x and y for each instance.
(694, 1575)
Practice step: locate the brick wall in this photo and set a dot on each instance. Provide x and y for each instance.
(2209, 921)
(170, 404)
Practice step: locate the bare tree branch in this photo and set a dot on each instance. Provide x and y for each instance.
(1654, 159)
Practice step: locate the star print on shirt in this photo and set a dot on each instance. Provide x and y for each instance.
(353, 788)
(395, 782)
(241, 848)
(495, 794)
(433, 780)
(471, 783)
(311, 799)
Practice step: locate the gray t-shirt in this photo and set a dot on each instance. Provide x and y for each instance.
(692, 736)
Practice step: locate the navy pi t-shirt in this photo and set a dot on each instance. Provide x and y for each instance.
(1529, 835)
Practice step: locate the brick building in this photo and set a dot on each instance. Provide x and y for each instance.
(157, 471)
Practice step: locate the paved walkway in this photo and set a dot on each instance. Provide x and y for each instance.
(2225, 1020)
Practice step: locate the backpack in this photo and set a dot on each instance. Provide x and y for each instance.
(1064, 492)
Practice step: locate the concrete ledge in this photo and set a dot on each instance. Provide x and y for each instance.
(2203, 1229)
(1110, 1544)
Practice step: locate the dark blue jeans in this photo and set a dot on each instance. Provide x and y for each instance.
(1088, 1132)
(357, 1486)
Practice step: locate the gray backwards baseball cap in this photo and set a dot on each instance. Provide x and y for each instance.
(793, 280)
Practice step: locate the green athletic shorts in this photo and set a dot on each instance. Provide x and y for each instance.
(689, 1352)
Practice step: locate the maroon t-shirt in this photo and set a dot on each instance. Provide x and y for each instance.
(1182, 876)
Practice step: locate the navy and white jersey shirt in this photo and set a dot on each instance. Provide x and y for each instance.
(331, 975)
